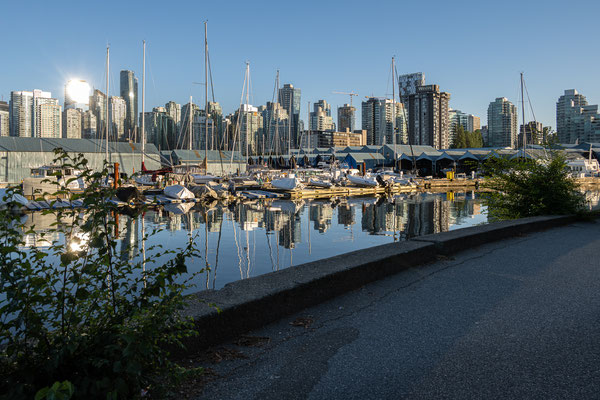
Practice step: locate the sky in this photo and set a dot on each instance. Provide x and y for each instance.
(475, 50)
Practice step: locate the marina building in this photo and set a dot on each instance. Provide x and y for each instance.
(428, 119)
(502, 123)
(19, 155)
(346, 118)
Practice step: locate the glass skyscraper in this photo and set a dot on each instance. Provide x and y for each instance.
(129, 93)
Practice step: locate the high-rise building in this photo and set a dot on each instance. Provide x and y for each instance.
(275, 124)
(377, 121)
(428, 121)
(129, 93)
(250, 129)
(469, 122)
(409, 83)
(215, 125)
(48, 120)
(118, 116)
(4, 119)
(89, 125)
(21, 114)
(98, 108)
(174, 111)
(289, 98)
(576, 120)
(320, 118)
(72, 123)
(34, 114)
(183, 139)
(161, 129)
(346, 118)
(502, 123)
(534, 131)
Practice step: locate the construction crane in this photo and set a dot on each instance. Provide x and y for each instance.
(348, 93)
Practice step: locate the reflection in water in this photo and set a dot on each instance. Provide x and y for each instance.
(242, 240)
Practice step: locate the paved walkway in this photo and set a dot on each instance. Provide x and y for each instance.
(518, 318)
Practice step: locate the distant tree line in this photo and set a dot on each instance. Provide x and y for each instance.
(465, 139)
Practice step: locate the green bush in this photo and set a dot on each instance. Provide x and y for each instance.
(77, 320)
(524, 188)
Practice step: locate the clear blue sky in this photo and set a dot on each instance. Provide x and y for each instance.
(472, 49)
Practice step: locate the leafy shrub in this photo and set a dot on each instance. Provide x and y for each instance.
(77, 320)
(525, 188)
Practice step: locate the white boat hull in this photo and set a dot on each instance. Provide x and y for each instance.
(178, 192)
(362, 181)
(286, 183)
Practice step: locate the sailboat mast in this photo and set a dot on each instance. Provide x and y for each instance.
(143, 104)
(308, 112)
(190, 126)
(206, 94)
(394, 106)
(247, 106)
(277, 115)
(523, 111)
(107, 97)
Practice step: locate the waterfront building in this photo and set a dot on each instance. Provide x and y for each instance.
(428, 120)
(576, 120)
(4, 119)
(72, 123)
(289, 98)
(320, 117)
(469, 122)
(534, 131)
(118, 116)
(174, 111)
(377, 121)
(502, 123)
(409, 83)
(98, 108)
(129, 93)
(89, 125)
(346, 118)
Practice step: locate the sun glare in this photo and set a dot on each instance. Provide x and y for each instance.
(78, 91)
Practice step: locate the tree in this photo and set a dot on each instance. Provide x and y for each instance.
(524, 188)
(460, 138)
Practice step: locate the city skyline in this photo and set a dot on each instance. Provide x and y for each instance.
(338, 62)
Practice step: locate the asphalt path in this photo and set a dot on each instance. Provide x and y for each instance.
(518, 318)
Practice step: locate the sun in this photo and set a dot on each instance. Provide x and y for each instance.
(78, 91)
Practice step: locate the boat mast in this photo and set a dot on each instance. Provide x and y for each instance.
(206, 95)
(107, 98)
(308, 112)
(143, 104)
(277, 114)
(247, 106)
(523, 111)
(190, 126)
(394, 107)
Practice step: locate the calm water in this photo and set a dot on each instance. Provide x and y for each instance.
(253, 238)
(249, 239)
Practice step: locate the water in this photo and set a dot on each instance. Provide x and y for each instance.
(250, 239)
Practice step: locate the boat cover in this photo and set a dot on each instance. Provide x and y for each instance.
(178, 192)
